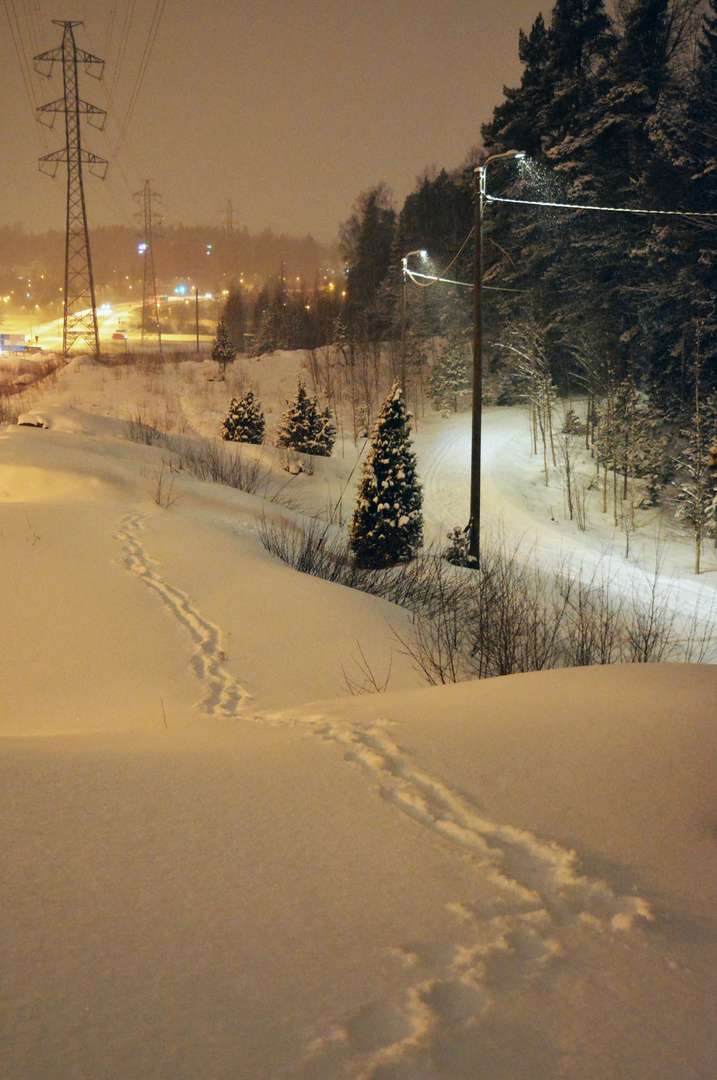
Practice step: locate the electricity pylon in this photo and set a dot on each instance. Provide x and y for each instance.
(80, 322)
(150, 306)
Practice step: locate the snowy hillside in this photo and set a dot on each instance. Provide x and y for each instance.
(218, 863)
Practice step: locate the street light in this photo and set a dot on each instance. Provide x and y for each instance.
(404, 264)
(474, 521)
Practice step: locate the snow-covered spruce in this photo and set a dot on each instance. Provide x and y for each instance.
(223, 350)
(449, 376)
(387, 526)
(305, 428)
(245, 421)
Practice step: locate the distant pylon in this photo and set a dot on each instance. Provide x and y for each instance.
(80, 321)
(230, 218)
(150, 306)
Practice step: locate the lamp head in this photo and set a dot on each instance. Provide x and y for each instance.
(517, 154)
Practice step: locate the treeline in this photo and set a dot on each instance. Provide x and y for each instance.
(212, 258)
(613, 111)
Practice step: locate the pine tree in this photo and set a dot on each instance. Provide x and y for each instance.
(697, 489)
(235, 316)
(514, 120)
(366, 240)
(304, 429)
(387, 526)
(266, 338)
(449, 376)
(244, 421)
(686, 250)
(223, 351)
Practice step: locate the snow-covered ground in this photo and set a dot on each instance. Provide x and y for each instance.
(217, 863)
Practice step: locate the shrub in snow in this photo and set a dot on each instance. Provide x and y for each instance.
(387, 526)
(458, 548)
(245, 421)
(571, 423)
(223, 350)
(305, 428)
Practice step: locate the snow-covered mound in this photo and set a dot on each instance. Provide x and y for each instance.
(510, 878)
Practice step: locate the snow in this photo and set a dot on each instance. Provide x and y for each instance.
(218, 863)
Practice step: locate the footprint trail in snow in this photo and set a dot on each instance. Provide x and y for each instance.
(532, 900)
(224, 695)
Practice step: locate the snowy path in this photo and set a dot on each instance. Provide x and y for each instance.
(531, 905)
(516, 501)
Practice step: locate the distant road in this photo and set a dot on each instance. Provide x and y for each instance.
(111, 319)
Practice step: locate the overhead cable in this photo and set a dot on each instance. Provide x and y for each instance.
(604, 209)
(434, 278)
(149, 46)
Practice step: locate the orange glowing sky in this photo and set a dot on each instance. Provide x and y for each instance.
(287, 110)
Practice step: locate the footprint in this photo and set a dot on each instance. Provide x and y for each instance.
(455, 1002)
(377, 1025)
(224, 695)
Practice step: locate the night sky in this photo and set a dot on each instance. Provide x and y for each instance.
(286, 109)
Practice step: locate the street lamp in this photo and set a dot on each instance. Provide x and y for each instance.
(404, 264)
(474, 521)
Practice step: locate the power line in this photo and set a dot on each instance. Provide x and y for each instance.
(433, 279)
(450, 281)
(110, 24)
(604, 209)
(115, 125)
(438, 277)
(124, 38)
(144, 63)
(22, 60)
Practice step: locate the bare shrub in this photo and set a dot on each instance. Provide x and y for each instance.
(205, 459)
(9, 410)
(163, 491)
(208, 459)
(581, 486)
(370, 682)
(139, 430)
(511, 614)
(310, 547)
(594, 620)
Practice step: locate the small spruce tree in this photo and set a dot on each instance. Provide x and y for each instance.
(304, 429)
(223, 350)
(245, 421)
(387, 526)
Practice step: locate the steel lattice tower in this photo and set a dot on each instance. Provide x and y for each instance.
(150, 306)
(80, 322)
